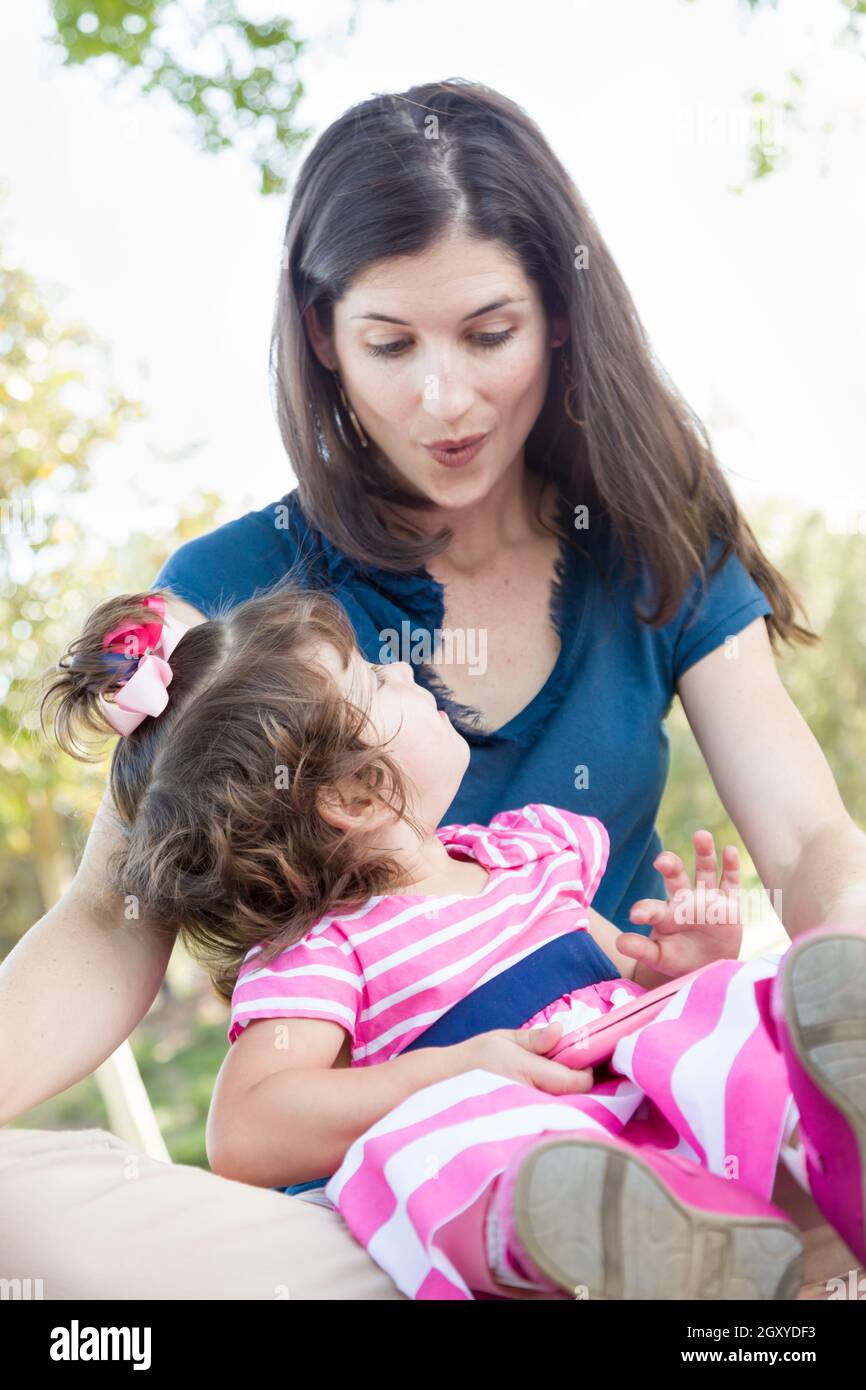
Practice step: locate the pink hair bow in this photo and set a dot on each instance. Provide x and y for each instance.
(145, 692)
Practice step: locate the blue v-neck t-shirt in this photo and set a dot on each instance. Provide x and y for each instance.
(592, 740)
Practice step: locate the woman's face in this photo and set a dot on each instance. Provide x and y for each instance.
(443, 345)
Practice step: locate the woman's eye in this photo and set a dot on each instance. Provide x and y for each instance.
(494, 340)
(485, 340)
(386, 349)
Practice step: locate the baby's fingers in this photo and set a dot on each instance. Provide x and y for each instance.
(730, 868)
(557, 1079)
(673, 870)
(706, 869)
(651, 910)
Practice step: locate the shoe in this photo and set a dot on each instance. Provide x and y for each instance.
(604, 1219)
(818, 1004)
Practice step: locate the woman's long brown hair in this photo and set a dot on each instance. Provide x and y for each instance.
(390, 177)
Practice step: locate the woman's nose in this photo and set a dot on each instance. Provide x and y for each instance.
(446, 394)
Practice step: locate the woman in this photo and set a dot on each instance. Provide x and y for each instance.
(443, 281)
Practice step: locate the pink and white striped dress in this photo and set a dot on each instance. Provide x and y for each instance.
(704, 1079)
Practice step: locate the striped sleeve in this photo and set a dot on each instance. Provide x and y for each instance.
(318, 977)
(586, 836)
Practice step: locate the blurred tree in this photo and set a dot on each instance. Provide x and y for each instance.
(58, 407)
(51, 573)
(236, 79)
(825, 559)
(854, 12)
(774, 117)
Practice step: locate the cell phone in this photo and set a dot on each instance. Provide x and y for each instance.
(594, 1042)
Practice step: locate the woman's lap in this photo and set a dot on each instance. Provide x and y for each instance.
(92, 1218)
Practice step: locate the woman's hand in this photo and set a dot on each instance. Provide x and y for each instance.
(518, 1053)
(696, 925)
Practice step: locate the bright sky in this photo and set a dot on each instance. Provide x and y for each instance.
(755, 301)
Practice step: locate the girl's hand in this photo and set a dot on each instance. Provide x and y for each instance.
(519, 1054)
(696, 925)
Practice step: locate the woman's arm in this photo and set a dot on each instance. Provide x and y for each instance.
(76, 984)
(82, 978)
(775, 783)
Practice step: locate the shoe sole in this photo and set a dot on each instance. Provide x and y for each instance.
(601, 1223)
(824, 998)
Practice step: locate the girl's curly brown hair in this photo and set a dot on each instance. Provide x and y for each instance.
(220, 794)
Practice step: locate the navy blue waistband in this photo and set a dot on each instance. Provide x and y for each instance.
(513, 996)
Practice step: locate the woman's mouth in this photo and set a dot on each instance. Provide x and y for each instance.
(457, 458)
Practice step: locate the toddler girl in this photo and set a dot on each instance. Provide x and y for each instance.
(280, 799)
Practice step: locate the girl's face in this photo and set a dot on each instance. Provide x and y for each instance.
(444, 345)
(404, 716)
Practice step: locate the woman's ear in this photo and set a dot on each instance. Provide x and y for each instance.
(319, 339)
(559, 328)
